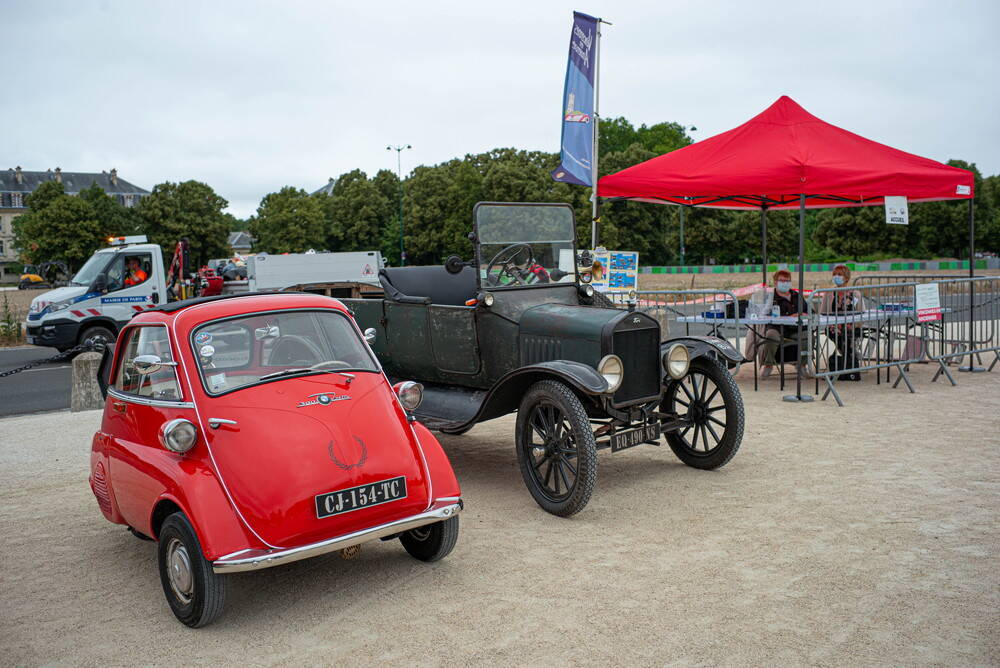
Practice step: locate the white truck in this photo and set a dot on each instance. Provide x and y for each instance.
(129, 276)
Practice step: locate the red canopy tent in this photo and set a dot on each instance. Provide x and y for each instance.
(786, 158)
(779, 155)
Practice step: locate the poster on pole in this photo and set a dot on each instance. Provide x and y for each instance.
(577, 143)
(896, 211)
(928, 302)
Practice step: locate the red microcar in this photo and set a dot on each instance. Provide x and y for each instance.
(252, 431)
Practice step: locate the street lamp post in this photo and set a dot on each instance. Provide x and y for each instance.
(399, 173)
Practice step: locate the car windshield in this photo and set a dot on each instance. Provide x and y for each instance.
(91, 269)
(248, 350)
(525, 244)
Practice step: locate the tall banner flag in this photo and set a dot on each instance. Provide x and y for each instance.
(577, 145)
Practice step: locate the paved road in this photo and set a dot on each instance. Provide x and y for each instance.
(43, 388)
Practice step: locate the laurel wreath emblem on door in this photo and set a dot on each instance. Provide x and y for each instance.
(347, 467)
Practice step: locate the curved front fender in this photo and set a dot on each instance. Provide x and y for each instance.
(505, 396)
(699, 346)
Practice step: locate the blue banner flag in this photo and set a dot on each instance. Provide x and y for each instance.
(577, 145)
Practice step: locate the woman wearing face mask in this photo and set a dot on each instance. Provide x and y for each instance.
(789, 303)
(842, 303)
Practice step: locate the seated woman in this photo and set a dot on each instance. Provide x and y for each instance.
(842, 303)
(789, 303)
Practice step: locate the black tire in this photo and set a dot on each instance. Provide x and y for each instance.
(457, 432)
(98, 336)
(432, 541)
(693, 397)
(565, 448)
(195, 593)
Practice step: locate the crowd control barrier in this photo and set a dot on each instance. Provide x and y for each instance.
(968, 327)
(863, 328)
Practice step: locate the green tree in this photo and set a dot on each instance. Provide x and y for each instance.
(388, 185)
(115, 219)
(66, 229)
(357, 213)
(942, 228)
(289, 221)
(189, 210)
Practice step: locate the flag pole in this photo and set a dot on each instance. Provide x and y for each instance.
(595, 217)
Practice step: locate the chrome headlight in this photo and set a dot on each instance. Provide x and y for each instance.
(676, 361)
(611, 368)
(178, 435)
(587, 290)
(410, 394)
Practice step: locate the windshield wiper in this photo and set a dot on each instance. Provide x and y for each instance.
(290, 372)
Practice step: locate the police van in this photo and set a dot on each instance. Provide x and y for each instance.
(128, 277)
(112, 286)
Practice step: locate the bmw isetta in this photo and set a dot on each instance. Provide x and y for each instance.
(250, 431)
(518, 328)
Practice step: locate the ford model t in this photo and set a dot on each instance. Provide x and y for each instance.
(517, 329)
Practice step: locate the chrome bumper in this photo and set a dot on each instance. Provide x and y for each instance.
(248, 560)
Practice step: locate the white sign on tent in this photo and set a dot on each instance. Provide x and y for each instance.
(896, 212)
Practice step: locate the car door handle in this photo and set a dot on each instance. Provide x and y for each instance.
(215, 423)
(118, 406)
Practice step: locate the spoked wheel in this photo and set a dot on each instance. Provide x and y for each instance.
(556, 449)
(711, 401)
(193, 590)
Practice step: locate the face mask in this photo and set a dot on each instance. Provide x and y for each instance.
(784, 286)
(838, 280)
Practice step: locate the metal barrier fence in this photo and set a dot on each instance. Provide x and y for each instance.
(882, 279)
(969, 324)
(720, 309)
(862, 328)
(878, 326)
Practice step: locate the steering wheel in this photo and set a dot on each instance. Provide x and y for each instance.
(292, 349)
(505, 258)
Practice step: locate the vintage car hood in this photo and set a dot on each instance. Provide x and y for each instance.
(302, 437)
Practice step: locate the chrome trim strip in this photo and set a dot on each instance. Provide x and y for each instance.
(276, 557)
(145, 401)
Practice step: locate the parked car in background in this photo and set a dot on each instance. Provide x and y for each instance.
(250, 431)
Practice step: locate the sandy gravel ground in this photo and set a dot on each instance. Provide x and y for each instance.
(855, 536)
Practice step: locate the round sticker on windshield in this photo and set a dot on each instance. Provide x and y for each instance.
(207, 351)
(202, 338)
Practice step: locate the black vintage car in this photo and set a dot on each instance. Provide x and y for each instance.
(517, 329)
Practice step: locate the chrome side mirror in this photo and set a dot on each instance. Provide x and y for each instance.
(266, 332)
(147, 364)
(370, 334)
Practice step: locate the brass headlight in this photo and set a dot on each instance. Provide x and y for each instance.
(611, 368)
(676, 361)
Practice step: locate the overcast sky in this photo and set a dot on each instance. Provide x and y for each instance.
(250, 97)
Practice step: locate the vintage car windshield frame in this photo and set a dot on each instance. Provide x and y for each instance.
(480, 260)
(353, 325)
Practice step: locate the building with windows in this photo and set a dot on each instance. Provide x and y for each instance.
(16, 184)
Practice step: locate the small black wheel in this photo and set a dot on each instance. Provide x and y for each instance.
(97, 336)
(709, 398)
(193, 590)
(556, 449)
(432, 542)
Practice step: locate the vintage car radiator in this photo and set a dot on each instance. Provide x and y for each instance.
(639, 350)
